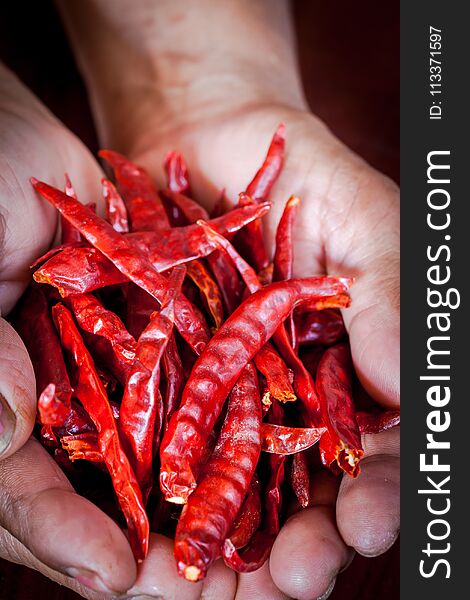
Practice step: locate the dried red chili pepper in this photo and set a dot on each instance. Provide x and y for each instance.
(212, 508)
(278, 377)
(116, 211)
(249, 517)
(94, 318)
(189, 210)
(128, 260)
(250, 240)
(300, 478)
(34, 324)
(214, 374)
(146, 211)
(377, 421)
(173, 371)
(283, 256)
(319, 327)
(176, 173)
(253, 556)
(70, 234)
(208, 289)
(342, 442)
(83, 446)
(92, 395)
(280, 439)
(141, 410)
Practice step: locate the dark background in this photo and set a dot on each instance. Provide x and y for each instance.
(349, 57)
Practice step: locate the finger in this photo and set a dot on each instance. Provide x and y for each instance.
(309, 551)
(220, 583)
(61, 529)
(158, 577)
(17, 391)
(258, 585)
(368, 508)
(14, 551)
(367, 248)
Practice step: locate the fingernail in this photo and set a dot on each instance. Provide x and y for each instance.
(7, 424)
(328, 591)
(89, 579)
(145, 597)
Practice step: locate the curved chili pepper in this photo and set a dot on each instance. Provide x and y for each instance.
(376, 422)
(189, 210)
(342, 442)
(249, 517)
(280, 439)
(238, 340)
(253, 556)
(283, 255)
(34, 324)
(94, 318)
(227, 279)
(116, 211)
(208, 289)
(319, 327)
(176, 172)
(69, 234)
(278, 377)
(212, 508)
(140, 417)
(92, 395)
(173, 371)
(146, 211)
(300, 478)
(132, 263)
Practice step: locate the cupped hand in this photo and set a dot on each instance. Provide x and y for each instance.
(347, 225)
(44, 524)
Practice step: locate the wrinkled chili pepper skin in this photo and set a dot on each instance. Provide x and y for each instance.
(146, 211)
(208, 289)
(212, 508)
(218, 368)
(278, 376)
(92, 395)
(300, 478)
(94, 318)
(250, 240)
(284, 256)
(35, 326)
(249, 517)
(116, 211)
(177, 175)
(173, 371)
(131, 262)
(280, 439)
(140, 416)
(319, 327)
(377, 422)
(253, 556)
(342, 442)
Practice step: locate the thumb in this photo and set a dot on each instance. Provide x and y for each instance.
(17, 391)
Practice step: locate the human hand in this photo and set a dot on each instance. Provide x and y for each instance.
(44, 524)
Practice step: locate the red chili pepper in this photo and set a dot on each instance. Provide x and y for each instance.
(300, 478)
(278, 376)
(34, 324)
(92, 395)
(70, 234)
(174, 380)
(283, 256)
(249, 517)
(212, 508)
(208, 289)
(342, 442)
(377, 421)
(141, 410)
(251, 239)
(189, 210)
(83, 446)
(319, 327)
(253, 556)
(119, 345)
(227, 279)
(242, 335)
(146, 211)
(127, 259)
(280, 439)
(116, 211)
(176, 173)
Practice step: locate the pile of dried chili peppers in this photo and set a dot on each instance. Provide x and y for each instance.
(178, 364)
